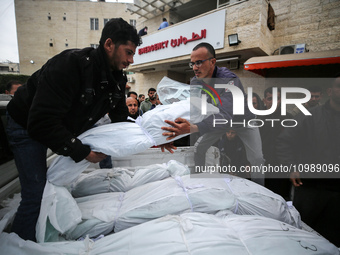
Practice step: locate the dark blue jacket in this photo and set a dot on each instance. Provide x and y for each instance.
(223, 75)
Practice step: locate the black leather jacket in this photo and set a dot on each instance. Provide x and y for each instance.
(316, 138)
(315, 141)
(66, 97)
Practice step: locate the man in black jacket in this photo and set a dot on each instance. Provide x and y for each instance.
(66, 97)
(312, 148)
(269, 133)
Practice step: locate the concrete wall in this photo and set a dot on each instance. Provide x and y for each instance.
(9, 68)
(146, 81)
(36, 31)
(153, 23)
(314, 22)
(248, 19)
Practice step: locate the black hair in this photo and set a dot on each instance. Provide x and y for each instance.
(333, 80)
(315, 89)
(141, 95)
(270, 91)
(164, 19)
(131, 92)
(260, 105)
(120, 32)
(208, 46)
(151, 89)
(10, 84)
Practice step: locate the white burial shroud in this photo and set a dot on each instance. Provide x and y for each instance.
(128, 138)
(189, 233)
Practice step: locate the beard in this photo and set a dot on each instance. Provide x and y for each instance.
(134, 116)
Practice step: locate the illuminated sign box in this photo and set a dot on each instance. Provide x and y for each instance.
(181, 39)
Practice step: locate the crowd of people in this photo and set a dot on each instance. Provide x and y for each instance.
(138, 104)
(315, 141)
(76, 88)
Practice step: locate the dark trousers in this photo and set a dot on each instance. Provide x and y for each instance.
(320, 209)
(30, 160)
(252, 143)
(106, 162)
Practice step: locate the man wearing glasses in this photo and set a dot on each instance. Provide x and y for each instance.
(207, 74)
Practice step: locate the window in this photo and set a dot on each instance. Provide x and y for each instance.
(105, 21)
(4, 68)
(221, 3)
(94, 24)
(95, 46)
(133, 22)
(51, 44)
